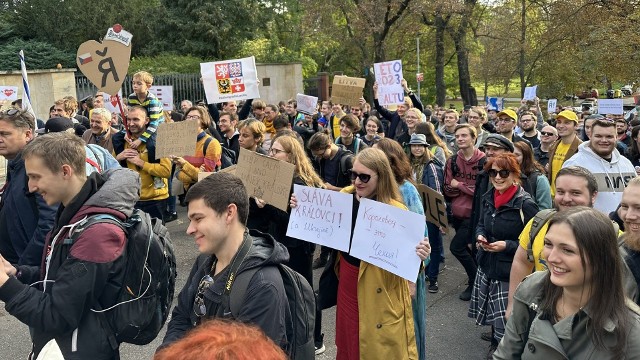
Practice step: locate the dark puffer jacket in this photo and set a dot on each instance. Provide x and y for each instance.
(505, 223)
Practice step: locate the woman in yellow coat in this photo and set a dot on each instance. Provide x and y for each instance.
(208, 150)
(374, 318)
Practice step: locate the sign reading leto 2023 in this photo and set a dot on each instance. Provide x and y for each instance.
(389, 79)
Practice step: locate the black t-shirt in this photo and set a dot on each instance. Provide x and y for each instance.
(535, 142)
(354, 214)
(331, 169)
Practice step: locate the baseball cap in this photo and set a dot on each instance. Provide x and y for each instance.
(510, 113)
(499, 141)
(568, 114)
(56, 124)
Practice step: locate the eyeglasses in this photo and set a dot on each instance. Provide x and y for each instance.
(504, 173)
(274, 151)
(192, 117)
(544, 133)
(199, 308)
(363, 177)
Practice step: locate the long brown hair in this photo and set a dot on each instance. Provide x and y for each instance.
(397, 159)
(529, 163)
(598, 249)
(427, 129)
(377, 161)
(297, 156)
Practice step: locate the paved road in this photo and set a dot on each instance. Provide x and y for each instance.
(450, 334)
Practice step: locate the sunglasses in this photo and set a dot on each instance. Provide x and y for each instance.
(544, 133)
(199, 308)
(363, 177)
(504, 173)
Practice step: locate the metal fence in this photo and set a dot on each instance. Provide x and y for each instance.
(185, 86)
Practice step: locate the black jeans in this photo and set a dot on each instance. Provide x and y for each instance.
(460, 247)
(155, 208)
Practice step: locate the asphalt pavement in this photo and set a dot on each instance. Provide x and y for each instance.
(450, 333)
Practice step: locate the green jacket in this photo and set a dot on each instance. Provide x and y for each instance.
(567, 339)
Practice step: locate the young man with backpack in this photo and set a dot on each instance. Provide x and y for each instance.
(574, 186)
(239, 274)
(459, 186)
(85, 270)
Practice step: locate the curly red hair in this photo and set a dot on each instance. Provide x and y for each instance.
(223, 340)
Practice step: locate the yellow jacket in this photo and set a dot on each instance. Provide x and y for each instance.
(161, 169)
(189, 173)
(386, 316)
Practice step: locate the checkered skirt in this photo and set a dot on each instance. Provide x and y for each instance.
(489, 303)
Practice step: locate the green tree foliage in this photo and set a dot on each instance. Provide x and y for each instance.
(268, 51)
(38, 55)
(166, 64)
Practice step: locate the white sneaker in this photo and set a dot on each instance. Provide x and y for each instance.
(321, 349)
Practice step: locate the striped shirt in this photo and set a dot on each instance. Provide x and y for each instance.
(154, 111)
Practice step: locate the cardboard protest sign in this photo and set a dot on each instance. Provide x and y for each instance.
(434, 205)
(322, 217)
(389, 79)
(266, 178)
(230, 170)
(347, 90)
(8, 93)
(106, 63)
(176, 138)
(551, 105)
(203, 174)
(530, 92)
(306, 104)
(386, 236)
(228, 80)
(610, 106)
(164, 94)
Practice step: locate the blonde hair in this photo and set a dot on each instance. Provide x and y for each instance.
(297, 156)
(376, 160)
(256, 127)
(417, 113)
(145, 77)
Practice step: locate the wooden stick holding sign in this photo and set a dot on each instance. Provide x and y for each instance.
(266, 178)
(435, 208)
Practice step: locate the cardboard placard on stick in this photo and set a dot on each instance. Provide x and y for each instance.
(347, 90)
(266, 178)
(106, 63)
(177, 138)
(435, 208)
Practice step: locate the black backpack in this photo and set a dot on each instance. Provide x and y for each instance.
(300, 318)
(228, 157)
(145, 298)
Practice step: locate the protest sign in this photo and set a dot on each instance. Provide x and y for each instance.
(106, 63)
(8, 93)
(322, 217)
(111, 101)
(164, 94)
(551, 106)
(347, 90)
(434, 205)
(386, 236)
(203, 174)
(266, 178)
(228, 80)
(389, 79)
(530, 92)
(176, 138)
(494, 103)
(610, 106)
(306, 104)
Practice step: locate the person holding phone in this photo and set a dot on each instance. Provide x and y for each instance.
(505, 210)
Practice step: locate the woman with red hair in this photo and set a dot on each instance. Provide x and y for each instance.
(506, 208)
(223, 340)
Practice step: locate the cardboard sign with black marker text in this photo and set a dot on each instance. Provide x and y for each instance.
(435, 208)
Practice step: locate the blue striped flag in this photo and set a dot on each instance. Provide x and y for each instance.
(26, 97)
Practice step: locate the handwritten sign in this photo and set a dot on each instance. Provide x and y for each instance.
(8, 93)
(322, 217)
(266, 178)
(494, 103)
(530, 92)
(389, 79)
(386, 236)
(106, 63)
(551, 106)
(228, 80)
(610, 106)
(307, 104)
(347, 90)
(434, 205)
(177, 138)
(164, 94)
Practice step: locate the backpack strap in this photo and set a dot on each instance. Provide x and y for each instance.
(237, 261)
(206, 146)
(239, 291)
(454, 165)
(541, 218)
(91, 220)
